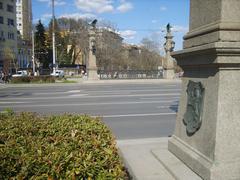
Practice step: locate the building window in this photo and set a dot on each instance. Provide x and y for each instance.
(1, 5)
(11, 36)
(2, 36)
(10, 22)
(10, 8)
(1, 20)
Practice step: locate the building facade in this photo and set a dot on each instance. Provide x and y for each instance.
(8, 35)
(24, 18)
(24, 27)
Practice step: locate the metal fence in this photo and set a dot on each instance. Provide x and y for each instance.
(131, 74)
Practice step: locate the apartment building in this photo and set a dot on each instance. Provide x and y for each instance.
(8, 34)
(24, 27)
(24, 18)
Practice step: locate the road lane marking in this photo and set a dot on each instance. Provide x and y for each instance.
(77, 95)
(91, 104)
(11, 102)
(172, 98)
(64, 92)
(161, 107)
(96, 96)
(136, 115)
(137, 90)
(74, 91)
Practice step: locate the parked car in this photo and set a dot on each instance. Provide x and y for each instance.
(58, 73)
(20, 74)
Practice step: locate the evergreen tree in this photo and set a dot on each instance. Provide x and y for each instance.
(41, 49)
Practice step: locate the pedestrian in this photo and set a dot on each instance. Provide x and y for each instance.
(2, 76)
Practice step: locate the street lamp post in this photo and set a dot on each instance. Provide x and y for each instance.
(53, 38)
(56, 50)
(33, 53)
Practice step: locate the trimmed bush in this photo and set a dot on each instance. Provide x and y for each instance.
(33, 79)
(57, 147)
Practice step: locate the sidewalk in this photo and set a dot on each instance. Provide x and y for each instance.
(149, 159)
(139, 160)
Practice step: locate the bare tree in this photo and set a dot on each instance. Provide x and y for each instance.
(109, 49)
(11, 60)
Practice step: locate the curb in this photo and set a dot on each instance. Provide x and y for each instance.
(92, 82)
(145, 81)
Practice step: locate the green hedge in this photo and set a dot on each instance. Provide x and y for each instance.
(33, 79)
(57, 147)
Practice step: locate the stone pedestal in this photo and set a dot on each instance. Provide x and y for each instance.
(207, 132)
(91, 64)
(169, 74)
(168, 63)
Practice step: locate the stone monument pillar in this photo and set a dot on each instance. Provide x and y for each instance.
(91, 64)
(207, 132)
(168, 64)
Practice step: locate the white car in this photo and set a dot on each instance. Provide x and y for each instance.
(20, 74)
(58, 73)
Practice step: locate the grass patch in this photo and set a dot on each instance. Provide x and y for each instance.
(69, 81)
(33, 79)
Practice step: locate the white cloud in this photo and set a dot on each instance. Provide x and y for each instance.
(79, 16)
(59, 3)
(45, 17)
(178, 28)
(102, 6)
(124, 7)
(128, 34)
(163, 8)
(99, 6)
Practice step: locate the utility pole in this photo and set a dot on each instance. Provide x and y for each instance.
(53, 38)
(33, 53)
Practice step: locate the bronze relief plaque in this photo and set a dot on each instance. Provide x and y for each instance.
(193, 115)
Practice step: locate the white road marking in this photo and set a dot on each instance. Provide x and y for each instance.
(162, 107)
(74, 91)
(12, 102)
(94, 96)
(92, 104)
(64, 92)
(136, 115)
(136, 90)
(172, 98)
(77, 95)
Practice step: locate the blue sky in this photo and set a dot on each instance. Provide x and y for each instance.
(134, 19)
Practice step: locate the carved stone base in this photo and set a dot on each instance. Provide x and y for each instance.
(92, 75)
(169, 74)
(213, 152)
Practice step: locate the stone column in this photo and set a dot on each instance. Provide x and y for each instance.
(91, 64)
(207, 132)
(168, 64)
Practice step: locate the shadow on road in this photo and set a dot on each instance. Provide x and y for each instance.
(174, 106)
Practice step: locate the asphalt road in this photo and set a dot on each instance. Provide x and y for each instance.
(131, 110)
